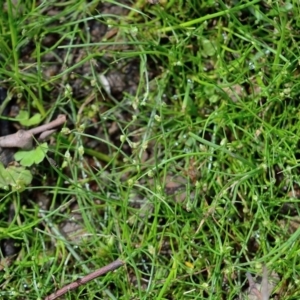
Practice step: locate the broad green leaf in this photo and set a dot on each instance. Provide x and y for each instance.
(23, 118)
(35, 156)
(16, 177)
(3, 177)
(208, 47)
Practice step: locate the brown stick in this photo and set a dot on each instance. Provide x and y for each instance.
(61, 119)
(252, 287)
(265, 285)
(23, 138)
(71, 286)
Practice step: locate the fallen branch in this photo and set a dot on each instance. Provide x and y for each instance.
(71, 286)
(23, 139)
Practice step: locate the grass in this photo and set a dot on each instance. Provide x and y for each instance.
(187, 170)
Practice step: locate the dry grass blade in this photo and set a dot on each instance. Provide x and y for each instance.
(265, 293)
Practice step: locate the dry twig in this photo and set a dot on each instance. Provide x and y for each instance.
(264, 292)
(71, 286)
(23, 139)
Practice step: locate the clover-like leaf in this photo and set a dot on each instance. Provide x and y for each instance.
(23, 118)
(16, 177)
(208, 47)
(35, 156)
(3, 177)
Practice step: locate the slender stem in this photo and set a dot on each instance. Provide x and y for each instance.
(208, 17)
(75, 284)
